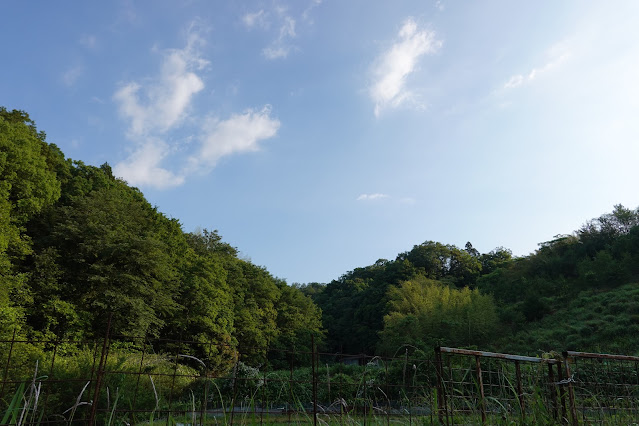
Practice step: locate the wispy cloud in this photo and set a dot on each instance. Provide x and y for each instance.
(239, 133)
(143, 166)
(256, 19)
(162, 104)
(306, 15)
(157, 107)
(89, 41)
(127, 12)
(280, 47)
(395, 64)
(283, 23)
(71, 76)
(408, 201)
(370, 197)
(556, 56)
(276, 52)
(378, 197)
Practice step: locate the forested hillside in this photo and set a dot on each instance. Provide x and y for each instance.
(78, 245)
(575, 292)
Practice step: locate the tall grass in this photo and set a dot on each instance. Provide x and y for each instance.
(23, 407)
(157, 389)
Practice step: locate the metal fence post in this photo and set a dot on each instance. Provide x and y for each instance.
(100, 372)
(289, 410)
(387, 393)
(237, 360)
(520, 392)
(571, 392)
(553, 392)
(137, 383)
(480, 381)
(314, 379)
(6, 370)
(562, 392)
(170, 402)
(404, 370)
(51, 377)
(441, 399)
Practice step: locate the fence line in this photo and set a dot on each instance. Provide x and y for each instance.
(602, 387)
(485, 387)
(165, 381)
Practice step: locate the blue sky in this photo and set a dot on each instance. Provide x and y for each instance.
(319, 136)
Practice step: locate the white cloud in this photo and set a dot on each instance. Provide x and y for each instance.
(368, 197)
(394, 65)
(71, 76)
(306, 15)
(408, 200)
(280, 47)
(142, 167)
(158, 107)
(557, 55)
(155, 108)
(89, 41)
(288, 28)
(283, 25)
(256, 19)
(273, 52)
(127, 12)
(239, 133)
(515, 81)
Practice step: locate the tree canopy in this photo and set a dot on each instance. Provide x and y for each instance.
(426, 313)
(78, 246)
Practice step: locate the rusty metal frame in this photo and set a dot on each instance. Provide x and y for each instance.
(607, 362)
(442, 403)
(497, 355)
(575, 354)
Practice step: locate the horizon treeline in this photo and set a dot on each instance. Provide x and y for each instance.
(78, 245)
(578, 291)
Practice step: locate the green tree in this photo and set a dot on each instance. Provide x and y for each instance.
(499, 257)
(114, 260)
(353, 306)
(28, 184)
(255, 295)
(425, 312)
(298, 319)
(205, 311)
(444, 263)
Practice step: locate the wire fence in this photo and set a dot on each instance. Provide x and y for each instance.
(485, 387)
(137, 380)
(604, 389)
(476, 387)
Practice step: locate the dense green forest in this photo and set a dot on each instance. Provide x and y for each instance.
(78, 245)
(576, 292)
